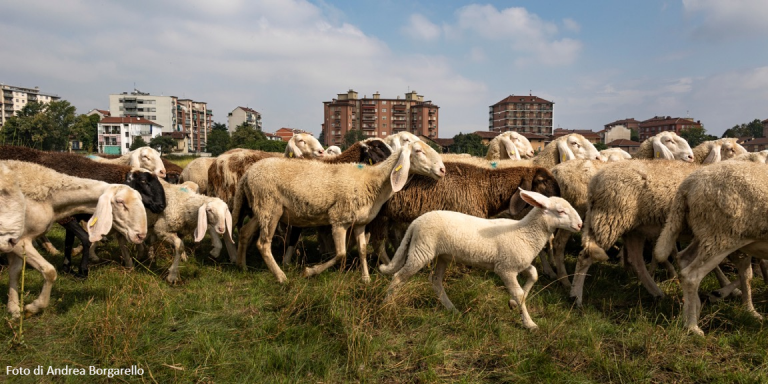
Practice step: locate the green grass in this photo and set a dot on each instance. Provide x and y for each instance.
(223, 325)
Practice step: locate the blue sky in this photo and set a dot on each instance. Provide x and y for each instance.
(599, 61)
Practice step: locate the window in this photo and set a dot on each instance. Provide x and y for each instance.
(384, 102)
(384, 125)
(126, 133)
(383, 117)
(384, 109)
(127, 146)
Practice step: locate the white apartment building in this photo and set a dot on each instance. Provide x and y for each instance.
(242, 115)
(169, 112)
(15, 98)
(117, 134)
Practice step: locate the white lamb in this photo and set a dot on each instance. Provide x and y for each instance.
(12, 209)
(333, 150)
(186, 212)
(505, 246)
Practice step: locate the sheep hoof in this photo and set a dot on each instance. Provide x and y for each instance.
(172, 279)
(531, 327)
(367, 279)
(66, 268)
(756, 315)
(307, 272)
(94, 259)
(512, 304)
(696, 330)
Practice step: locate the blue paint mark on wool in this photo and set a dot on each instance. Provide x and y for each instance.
(360, 166)
(493, 164)
(184, 189)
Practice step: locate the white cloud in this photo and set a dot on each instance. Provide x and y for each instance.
(571, 25)
(421, 28)
(528, 35)
(721, 20)
(477, 55)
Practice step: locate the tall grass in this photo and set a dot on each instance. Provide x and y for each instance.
(222, 325)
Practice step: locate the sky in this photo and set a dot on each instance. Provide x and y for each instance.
(598, 60)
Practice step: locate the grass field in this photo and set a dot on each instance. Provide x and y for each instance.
(226, 325)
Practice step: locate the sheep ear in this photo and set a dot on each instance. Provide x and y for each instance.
(292, 150)
(202, 223)
(565, 152)
(714, 154)
(511, 150)
(101, 222)
(535, 199)
(516, 202)
(660, 151)
(399, 175)
(135, 161)
(228, 222)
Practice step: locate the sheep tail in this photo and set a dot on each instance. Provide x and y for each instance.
(672, 228)
(399, 259)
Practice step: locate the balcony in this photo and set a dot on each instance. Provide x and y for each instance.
(369, 118)
(369, 127)
(369, 106)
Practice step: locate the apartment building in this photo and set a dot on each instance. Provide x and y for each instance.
(15, 98)
(656, 124)
(242, 115)
(170, 112)
(378, 117)
(523, 114)
(117, 134)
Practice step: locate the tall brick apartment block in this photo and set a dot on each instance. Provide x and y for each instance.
(530, 114)
(378, 117)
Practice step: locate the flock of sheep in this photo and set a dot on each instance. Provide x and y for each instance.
(496, 213)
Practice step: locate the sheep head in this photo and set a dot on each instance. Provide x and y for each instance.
(375, 150)
(575, 146)
(13, 207)
(668, 145)
(558, 213)
(119, 207)
(149, 159)
(149, 187)
(416, 158)
(614, 154)
(516, 146)
(215, 213)
(304, 145)
(401, 139)
(333, 150)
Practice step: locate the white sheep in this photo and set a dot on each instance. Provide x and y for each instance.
(12, 209)
(631, 199)
(313, 193)
(723, 206)
(197, 171)
(665, 145)
(145, 157)
(189, 212)
(52, 196)
(504, 246)
(515, 146)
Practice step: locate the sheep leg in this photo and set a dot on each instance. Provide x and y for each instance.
(49, 274)
(763, 263)
(178, 246)
(721, 277)
(339, 239)
(73, 229)
(690, 279)
(545, 256)
(244, 240)
(127, 259)
(518, 294)
(294, 234)
(46, 243)
(14, 271)
(362, 246)
(264, 243)
(437, 283)
(584, 261)
(744, 266)
(380, 245)
(633, 243)
(558, 248)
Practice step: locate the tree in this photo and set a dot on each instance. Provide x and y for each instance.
(600, 146)
(59, 118)
(634, 136)
(469, 143)
(138, 142)
(246, 136)
(85, 130)
(164, 143)
(352, 137)
(751, 129)
(218, 139)
(696, 135)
